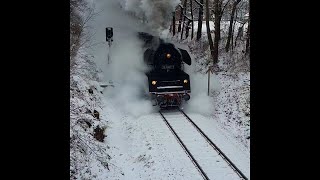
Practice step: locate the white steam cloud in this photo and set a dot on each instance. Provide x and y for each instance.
(127, 72)
(127, 68)
(199, 101)
(158, 13)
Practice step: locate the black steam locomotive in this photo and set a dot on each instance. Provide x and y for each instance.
(169, 85)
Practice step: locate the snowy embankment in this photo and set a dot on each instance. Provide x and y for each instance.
(87, 154)
(88, 157)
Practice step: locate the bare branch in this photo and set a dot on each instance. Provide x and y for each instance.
(188, 18)
(225, 6)
(198, 3)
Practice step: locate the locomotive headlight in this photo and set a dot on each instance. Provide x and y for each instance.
(154, 82)
(185, 81)
(168, 55)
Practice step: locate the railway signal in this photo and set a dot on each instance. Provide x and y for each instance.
(109, 39)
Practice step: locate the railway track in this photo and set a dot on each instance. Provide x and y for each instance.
(210, 161)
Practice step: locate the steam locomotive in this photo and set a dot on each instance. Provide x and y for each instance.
(169, 85)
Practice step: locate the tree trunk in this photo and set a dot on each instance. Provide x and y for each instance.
(191, 10)
(208, 30)
(217, 19)
(240, 34)
(248, 37)
(234, 25)
(180, 19)
(184, 10)
(219, 14)
(218, 27)
(234, 7)
(200, 20)
(188, 28)
(174, 23)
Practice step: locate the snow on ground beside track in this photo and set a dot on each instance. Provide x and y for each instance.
(229, 145)
(144, 148)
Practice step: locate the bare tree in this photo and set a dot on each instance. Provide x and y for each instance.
(239, 35)
(191, 10)
(183, 10)
(248, 36)
(234, 25)
(180, 19)
(241, 9)
(218, 12)
(188, 28)
(208, 30)
(78, 26)
(234, 7)
(174, 23)
(200, 17)
(216, 31)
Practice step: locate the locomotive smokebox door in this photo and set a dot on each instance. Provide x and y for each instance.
(109, 33)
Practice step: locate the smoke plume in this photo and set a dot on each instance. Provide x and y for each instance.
(157, 13)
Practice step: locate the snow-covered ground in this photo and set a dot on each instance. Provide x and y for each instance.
(138, 144)
(144, 148)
